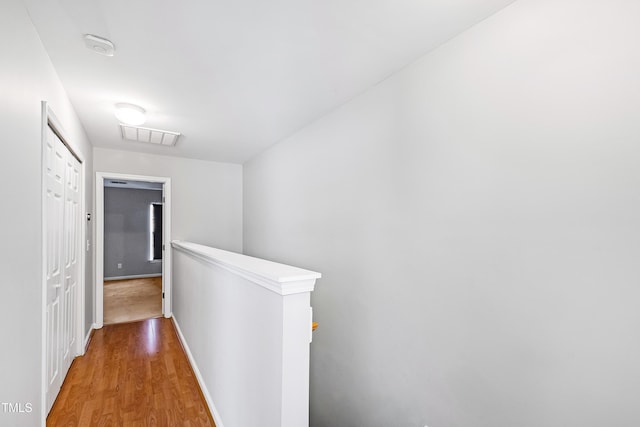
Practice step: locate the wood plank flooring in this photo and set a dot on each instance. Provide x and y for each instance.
(133, 374)
(132, 299)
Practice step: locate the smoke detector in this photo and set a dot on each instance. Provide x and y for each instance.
(99, 45)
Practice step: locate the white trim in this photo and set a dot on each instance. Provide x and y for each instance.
(133, 276)
(279, 278)
(83, 260)
(49, 119)
(99, 241)
(86, 339)
(98, 253)
(166, 241)
(205, 392)
(43, 267)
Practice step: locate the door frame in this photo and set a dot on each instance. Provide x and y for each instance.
(49, 119)
(98, 308)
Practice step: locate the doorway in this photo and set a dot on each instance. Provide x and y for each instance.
(133, 257)
(132, 250)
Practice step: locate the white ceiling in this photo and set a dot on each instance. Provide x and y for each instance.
(236, 76)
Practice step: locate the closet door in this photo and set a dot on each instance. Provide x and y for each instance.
(62, 212)
(56, 155)
(71, 268)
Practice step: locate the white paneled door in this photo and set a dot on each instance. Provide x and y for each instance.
(62, 228)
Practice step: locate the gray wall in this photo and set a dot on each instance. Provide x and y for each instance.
(206, 196)
(476, 218)
(27, 78)
(126, 232)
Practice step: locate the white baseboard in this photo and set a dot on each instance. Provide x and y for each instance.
(134, 276)
(194, 366)
(86, 339)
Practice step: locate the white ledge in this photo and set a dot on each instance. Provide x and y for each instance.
(280, 278)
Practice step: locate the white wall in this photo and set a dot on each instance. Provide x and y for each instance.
(206, 196)
(476, 218)
(246, 327)
(26, 78)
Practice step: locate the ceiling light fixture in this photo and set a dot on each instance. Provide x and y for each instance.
(130, 114)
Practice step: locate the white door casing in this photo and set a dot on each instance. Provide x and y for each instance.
(99, 240)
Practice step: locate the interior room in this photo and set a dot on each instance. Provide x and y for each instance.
(132, 233)
(448, 190)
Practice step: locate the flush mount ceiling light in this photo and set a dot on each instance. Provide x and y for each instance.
(130, 114)
(99, 45)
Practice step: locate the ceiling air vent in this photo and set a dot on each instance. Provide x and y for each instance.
(151, 136)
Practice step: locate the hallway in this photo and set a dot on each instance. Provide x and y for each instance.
(132, 374)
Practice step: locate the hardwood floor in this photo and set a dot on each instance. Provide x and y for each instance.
(132, 299)
(133, 374)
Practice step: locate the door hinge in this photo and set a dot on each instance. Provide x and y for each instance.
(163, 246)
(163, 295)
